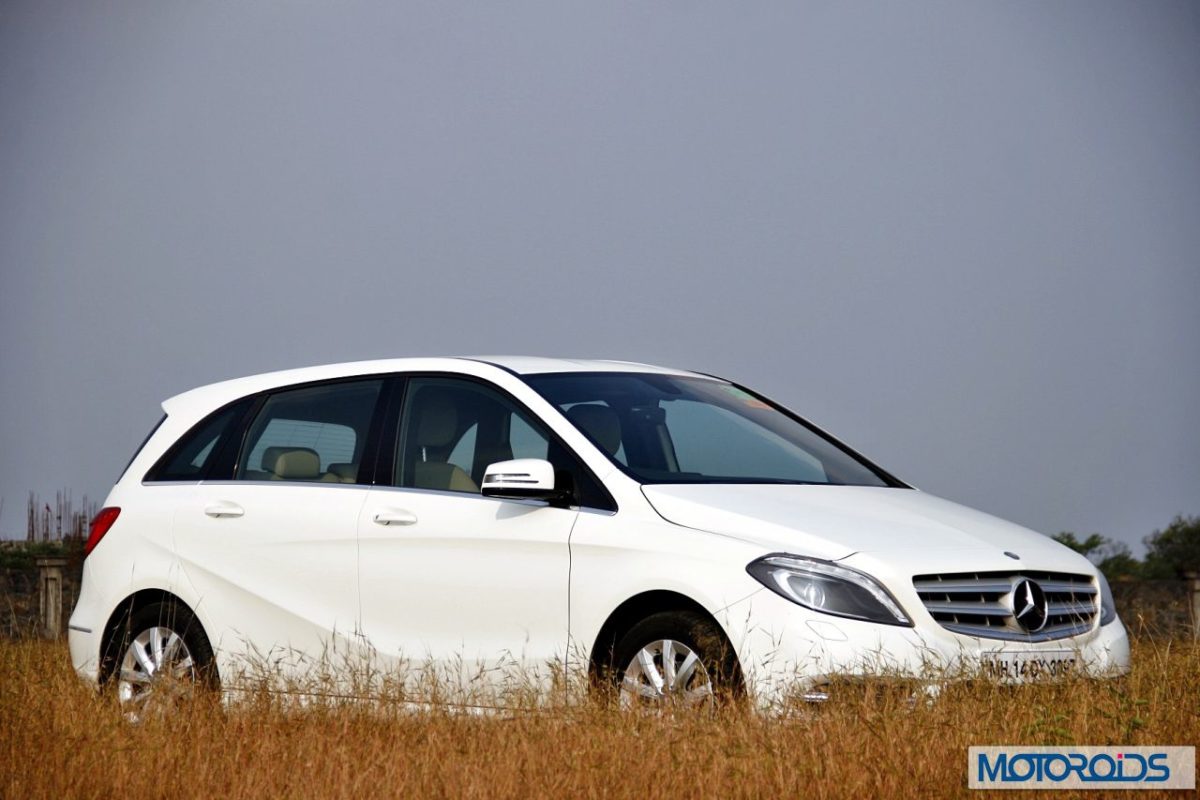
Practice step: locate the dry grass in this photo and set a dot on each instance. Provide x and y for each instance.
(60, 740)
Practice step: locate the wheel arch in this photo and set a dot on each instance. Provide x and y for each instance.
(633, 611)
(114, 628)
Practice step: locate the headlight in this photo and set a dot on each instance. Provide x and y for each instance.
(829, 588)
(1108, 609)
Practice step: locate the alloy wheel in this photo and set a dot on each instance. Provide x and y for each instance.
(157, 673)
(666, 672)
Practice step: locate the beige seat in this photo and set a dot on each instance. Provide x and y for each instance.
(599, 423)
(437, 423)
(341, 473)
(292, 464)
(267, 464)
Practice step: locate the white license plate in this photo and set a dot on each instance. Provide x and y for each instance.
(1022, 667)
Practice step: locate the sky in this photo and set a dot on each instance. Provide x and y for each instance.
(962, 237)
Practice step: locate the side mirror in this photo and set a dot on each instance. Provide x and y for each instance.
(522, 479)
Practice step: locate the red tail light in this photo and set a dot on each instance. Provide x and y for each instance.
(100, 525)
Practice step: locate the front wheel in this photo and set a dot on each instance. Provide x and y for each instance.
(676, 659)
(163, 660)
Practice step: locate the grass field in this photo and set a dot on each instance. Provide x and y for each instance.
(59, 739)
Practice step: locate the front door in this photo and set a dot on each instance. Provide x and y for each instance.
(473, 588)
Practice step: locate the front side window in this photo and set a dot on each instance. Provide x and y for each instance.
(673, 429)
(452, 429)
(316, 433)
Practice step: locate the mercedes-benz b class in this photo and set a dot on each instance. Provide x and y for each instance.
(672, 535)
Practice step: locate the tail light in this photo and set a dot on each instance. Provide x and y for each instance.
(100, 525)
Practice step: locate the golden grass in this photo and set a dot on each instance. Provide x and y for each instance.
(58, 739)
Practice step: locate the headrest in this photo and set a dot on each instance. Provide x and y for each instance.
(269, 455)
(600, 423)
(346, 473)
(297, 463)
(437, 422)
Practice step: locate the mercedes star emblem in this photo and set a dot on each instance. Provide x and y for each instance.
(1030, 606)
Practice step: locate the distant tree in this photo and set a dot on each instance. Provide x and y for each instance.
(1174, 550)
(1086, 547)
(1117, 563)
(1113, 558)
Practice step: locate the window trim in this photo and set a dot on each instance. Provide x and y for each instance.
(162, 418)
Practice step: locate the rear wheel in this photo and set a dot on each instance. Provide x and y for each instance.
(675, 659)
(163, 660)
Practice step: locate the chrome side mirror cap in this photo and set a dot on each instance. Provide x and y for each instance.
(522, 479)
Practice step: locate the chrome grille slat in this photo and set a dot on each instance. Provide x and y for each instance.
(1044, 635)
(979, 604)
(1074, 609)
(988, 610)
(972, 587)
(1055, 587)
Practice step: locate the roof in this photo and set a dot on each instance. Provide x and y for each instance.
(217, 393)
(533, 365)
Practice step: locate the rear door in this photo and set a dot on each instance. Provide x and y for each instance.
(271, 546)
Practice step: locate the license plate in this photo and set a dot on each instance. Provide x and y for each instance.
(1023, 667)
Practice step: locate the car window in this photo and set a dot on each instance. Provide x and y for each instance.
(709, 440)
(316, 433)
(452, 429)
(677, 429)
(525, 441)
(189, 458)
(463, 454)
(594, 411)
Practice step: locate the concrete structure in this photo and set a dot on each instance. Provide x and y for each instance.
(50, 595)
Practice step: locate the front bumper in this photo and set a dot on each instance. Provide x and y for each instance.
(787, 651)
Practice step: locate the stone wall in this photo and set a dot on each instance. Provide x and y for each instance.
(19, 600)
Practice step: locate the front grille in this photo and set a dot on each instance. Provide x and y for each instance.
(981, 603)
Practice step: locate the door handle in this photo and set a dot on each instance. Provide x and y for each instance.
(395, 516)
(224, 509)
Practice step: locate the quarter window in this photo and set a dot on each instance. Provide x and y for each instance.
(317, 433)
(190, 458)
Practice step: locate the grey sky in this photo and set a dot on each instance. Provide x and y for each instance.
(963, 237)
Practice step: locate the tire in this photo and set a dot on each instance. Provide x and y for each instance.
(678, 659)
(162, 659)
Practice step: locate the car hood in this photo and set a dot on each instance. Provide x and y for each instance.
(833, 522)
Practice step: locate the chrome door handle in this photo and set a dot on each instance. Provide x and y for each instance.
(396, 516)
(224, 510)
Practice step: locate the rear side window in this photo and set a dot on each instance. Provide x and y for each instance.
(190, 457)
(317, 433)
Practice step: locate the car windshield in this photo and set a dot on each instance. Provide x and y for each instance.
(675, 429)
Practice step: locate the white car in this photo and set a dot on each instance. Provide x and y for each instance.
(667, 533)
